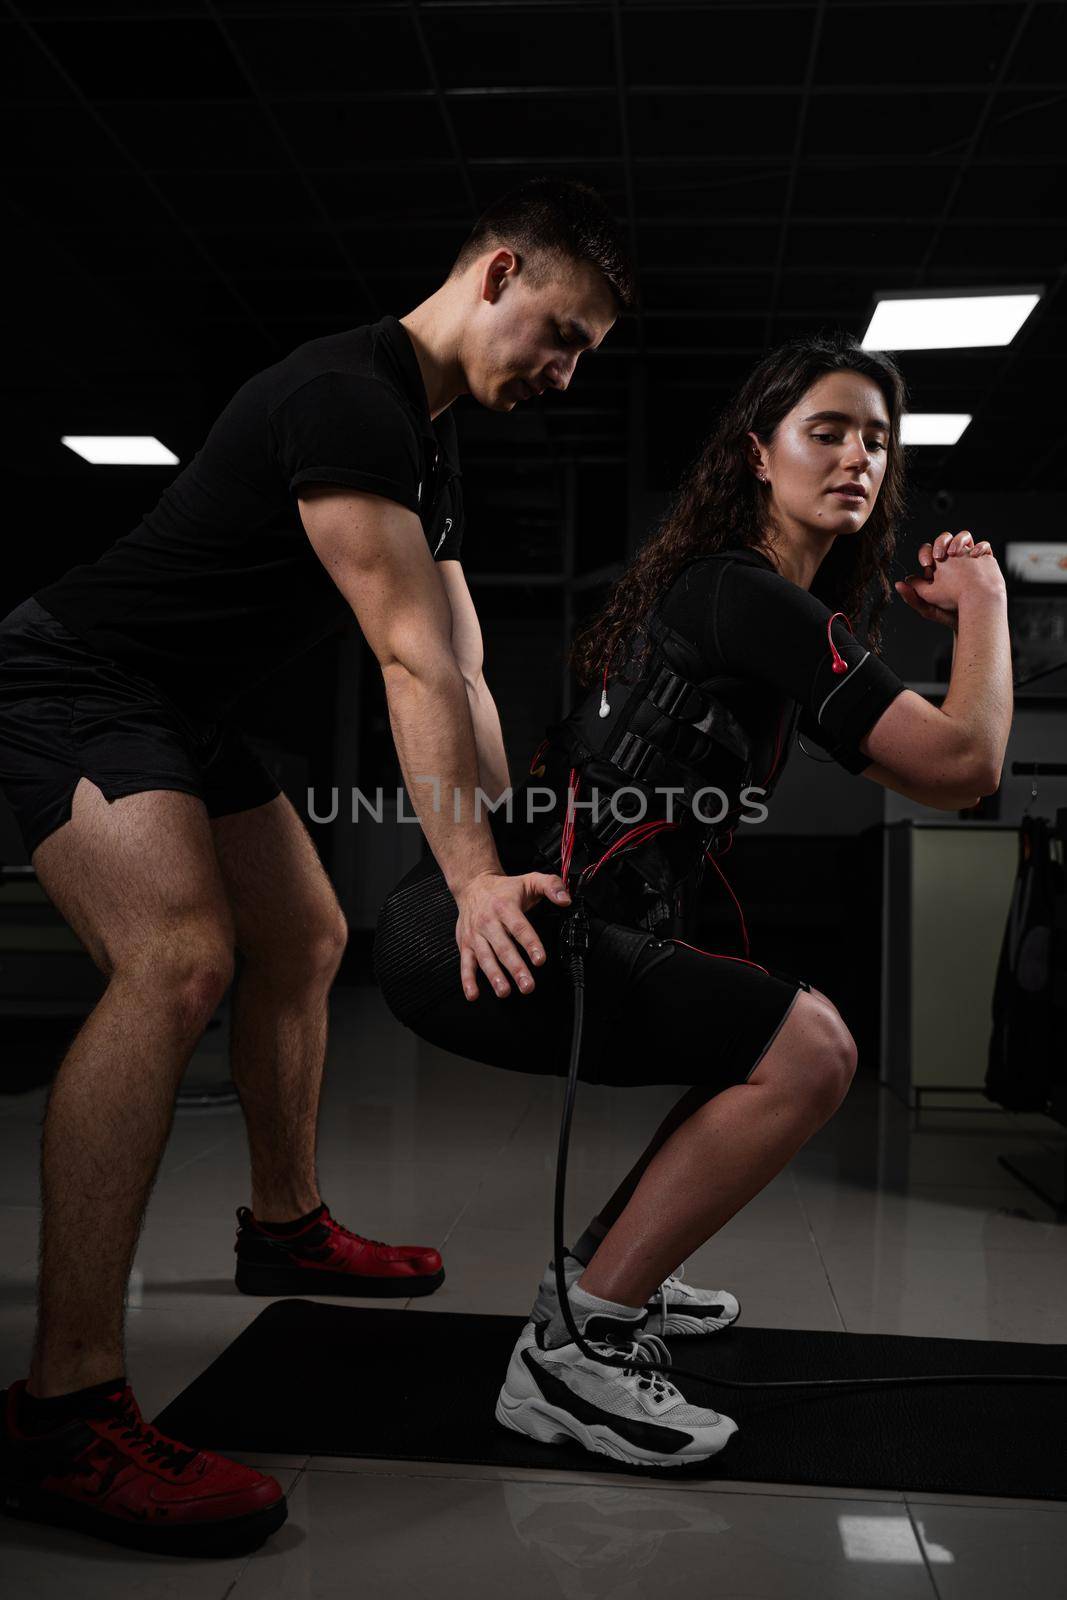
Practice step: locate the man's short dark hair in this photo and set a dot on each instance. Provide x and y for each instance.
(556, 217)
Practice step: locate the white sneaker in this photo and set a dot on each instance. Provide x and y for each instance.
(675, 1310)
(558, 1394)
(678, 1308)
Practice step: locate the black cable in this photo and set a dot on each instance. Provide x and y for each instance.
(575, 939)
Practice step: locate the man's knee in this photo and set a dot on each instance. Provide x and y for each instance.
(308, 949)
(185, 971)
(327, 945)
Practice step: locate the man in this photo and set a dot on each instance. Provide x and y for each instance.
(329, 485)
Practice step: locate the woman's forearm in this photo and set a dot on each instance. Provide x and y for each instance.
(980, 689)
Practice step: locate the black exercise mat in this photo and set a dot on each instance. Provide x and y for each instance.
(313, 1379)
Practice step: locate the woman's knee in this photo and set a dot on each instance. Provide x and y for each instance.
(814, 1051)
(841, 1048)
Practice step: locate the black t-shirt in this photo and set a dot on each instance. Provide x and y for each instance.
(748, 620)
(219, 586)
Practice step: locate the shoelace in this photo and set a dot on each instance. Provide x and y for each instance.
(675, 1277)
(361, 1238)
(645, 1347)
(154, 1446)
(245, 1218)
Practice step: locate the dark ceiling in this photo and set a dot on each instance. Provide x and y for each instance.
(196, 188)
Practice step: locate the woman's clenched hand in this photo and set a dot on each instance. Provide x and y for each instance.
(935, 591)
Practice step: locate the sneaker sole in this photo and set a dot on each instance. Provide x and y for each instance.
(548, 1425)
(234, 1536)
(252, 1279)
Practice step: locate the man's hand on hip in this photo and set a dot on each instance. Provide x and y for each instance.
(492, 926)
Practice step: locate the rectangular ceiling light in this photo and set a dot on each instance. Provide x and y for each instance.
(932, 427)
(953, 320)
(120, 450)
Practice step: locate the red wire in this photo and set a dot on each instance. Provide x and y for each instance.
(647, 830)
(839, 662)
(607, 664)
(566, 844)
(716, 957)
(638, 835)
(733, 897)
(643, 831)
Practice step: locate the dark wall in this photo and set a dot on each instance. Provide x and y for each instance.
(921, 651)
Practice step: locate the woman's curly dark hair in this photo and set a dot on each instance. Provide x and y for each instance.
(722, 504)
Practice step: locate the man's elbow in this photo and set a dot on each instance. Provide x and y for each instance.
(474, 678)
(426, 668)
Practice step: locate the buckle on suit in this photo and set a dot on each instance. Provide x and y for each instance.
(632, 754)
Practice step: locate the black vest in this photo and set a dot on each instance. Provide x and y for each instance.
(666, 728)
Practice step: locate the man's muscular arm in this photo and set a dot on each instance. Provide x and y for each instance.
(376, 553)
(467, 645)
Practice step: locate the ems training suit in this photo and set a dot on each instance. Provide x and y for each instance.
(745, 659)
(129, 670)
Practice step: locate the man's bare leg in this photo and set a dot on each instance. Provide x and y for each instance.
(291, 933)
(723, 1153)
(139, 884)
(277, 1051)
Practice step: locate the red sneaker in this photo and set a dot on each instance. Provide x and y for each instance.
(324, 1258)
(111, 1474)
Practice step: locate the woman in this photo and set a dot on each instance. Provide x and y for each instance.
(731, 630)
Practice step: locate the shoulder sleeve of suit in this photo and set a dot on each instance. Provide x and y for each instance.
(766, 627)
(849, 756)
(351, 430)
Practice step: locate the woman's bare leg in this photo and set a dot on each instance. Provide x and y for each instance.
(723, 1153)
(586, 1246)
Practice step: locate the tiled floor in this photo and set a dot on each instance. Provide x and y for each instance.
(879, 1224)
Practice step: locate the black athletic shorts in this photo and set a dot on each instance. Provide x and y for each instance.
(655, 1011)
(68, 712)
